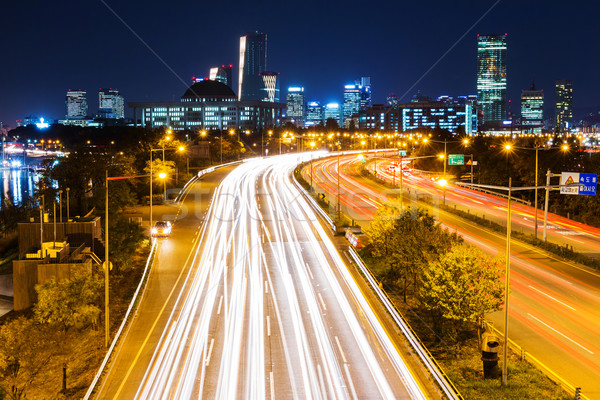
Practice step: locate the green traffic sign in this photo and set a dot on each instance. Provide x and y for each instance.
(456, 159)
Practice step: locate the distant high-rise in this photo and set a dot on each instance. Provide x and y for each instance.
(253, 62)
(357, 97)
(270, 86)
(111, 104)
(491, 76)
(222, 74)
(564, 104)
(76, 102)
(295, 103)
(314, 113)
(532, 108)
(332, 111)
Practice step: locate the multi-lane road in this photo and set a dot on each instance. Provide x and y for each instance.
(249, 299)
(553, 310)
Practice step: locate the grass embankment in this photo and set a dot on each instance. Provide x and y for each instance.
(459, 354)
(87, 348)
(460, 357)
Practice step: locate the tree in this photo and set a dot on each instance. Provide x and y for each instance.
(462, 286)
(23, 355)
(66, 305)
(405, 242)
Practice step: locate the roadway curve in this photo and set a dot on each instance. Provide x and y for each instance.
(553, 307)
(255, 304)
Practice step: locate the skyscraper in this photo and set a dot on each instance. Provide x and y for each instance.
(564, 104)
(295, 103)
(270, 86)
(532, 109)
(314, 113)
(253, 62)
(76, 102)
(357, 97)
(351, 101)
(111, 104)
(222, 74)
(332, 111)
(491, 76)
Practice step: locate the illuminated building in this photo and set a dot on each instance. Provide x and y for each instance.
(252, 63)
(445, 113)
(295, 104)
(209, 105)
(392, 99)
(491, 76)
(564, 104)
(270, 86)
(332, 111)
(222, 74)
(314, 113)
(111, 104)
(76, 102)
(357, 97)
(532, 110)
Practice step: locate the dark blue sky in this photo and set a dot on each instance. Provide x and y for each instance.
(49, 47)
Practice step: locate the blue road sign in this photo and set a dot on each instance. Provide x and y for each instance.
(401, 153)
(589, 182)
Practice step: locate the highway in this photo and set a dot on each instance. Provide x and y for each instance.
(553, 308)
(250, 299)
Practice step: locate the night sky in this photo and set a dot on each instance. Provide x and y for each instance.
(48, 47)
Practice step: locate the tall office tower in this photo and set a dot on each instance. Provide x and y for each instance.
(76, 102)
(253, 62)
(357, 97)
(365, 94)
(222, 74)
(295, 103)
(332, 111)
(270, 86)
(564, 104)
(491, 76)
(314, 113)
(532, 109)
(111, 104)
(352, 95)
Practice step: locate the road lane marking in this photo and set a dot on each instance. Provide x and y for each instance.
(350, 383)
(266, 287)
(210, 349)
(220, 304)
(268, 325)
(272, 384)
(322, 302)
(309, 271)
(560, 333)
(340, 348)
(550, 297)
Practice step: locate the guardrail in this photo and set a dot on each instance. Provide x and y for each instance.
(441, 379)
(426, 358)
(538, 364)
(149, 262)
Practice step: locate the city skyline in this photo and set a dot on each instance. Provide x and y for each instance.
(340, 57)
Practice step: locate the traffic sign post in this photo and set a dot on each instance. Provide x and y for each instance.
(583, 183)
(456, 159)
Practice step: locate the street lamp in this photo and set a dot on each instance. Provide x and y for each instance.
(312, 147)
(161, 175)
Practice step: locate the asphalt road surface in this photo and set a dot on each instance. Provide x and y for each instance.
(554, 308)
(249, 299)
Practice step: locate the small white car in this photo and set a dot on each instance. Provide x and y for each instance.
(161, 229)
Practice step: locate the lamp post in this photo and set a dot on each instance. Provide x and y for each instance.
(60, 203)
(68, 216)
(339, 206)
(161, 175)
(312, 147)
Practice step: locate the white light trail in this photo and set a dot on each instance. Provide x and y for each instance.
(218, 341)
